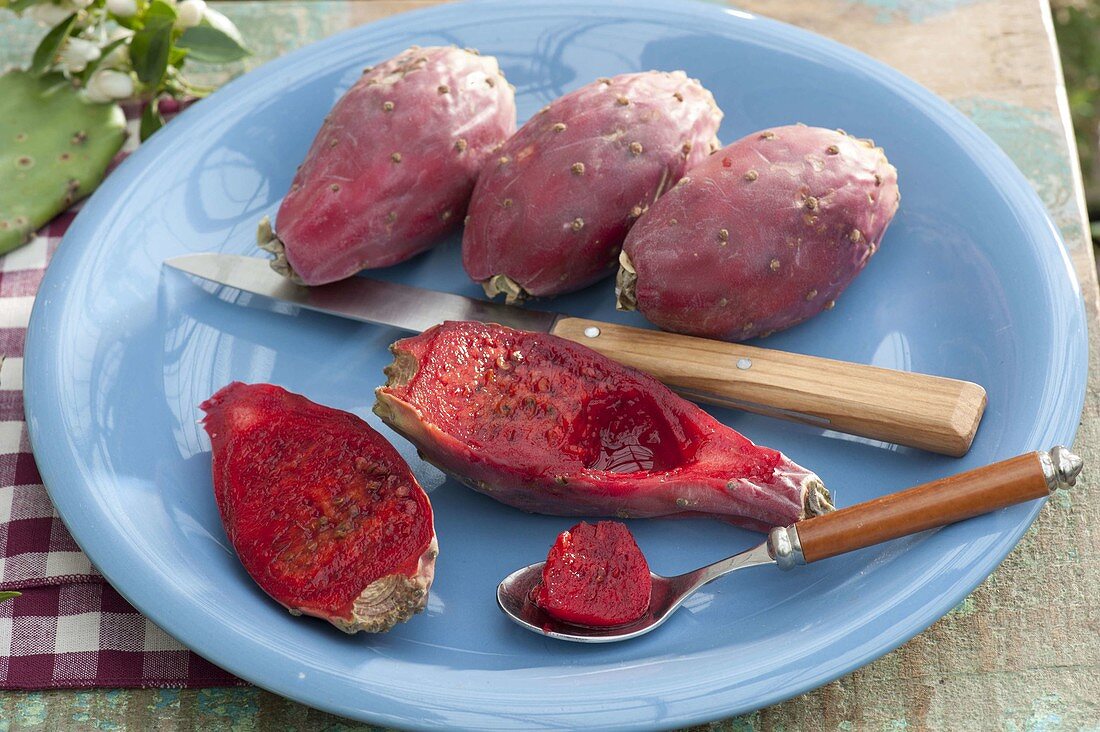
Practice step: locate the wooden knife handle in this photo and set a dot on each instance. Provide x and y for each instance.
(938, 503)
(930, 412)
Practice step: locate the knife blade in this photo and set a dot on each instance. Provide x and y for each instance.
(918, 410)
(359, 298)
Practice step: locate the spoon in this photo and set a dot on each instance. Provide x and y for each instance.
(927, 506)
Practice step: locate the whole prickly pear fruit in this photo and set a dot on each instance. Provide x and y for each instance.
(764, 234)
(550, 212)
(324, 514)
(393, 166)
(54, 150)
(549, 426)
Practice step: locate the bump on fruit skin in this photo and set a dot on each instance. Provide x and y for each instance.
(594, 156)
(394, 130)
(805, 208)
(54, 150)
(323, 513)
(549, 426)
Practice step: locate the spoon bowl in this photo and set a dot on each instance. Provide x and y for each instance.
(939, 503)
(667, 594)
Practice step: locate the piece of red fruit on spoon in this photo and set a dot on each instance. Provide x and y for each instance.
(595, 575)
(324, 514)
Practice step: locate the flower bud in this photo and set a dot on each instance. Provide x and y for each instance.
(76, 53)
(107, 85)
(189, 13)
(122, 8)
(120, 54)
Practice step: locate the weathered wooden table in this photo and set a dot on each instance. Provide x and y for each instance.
(1023, 651)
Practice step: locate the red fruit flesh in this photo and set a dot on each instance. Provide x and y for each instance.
(392, 168)
(595, 575)
(549, 426)
(324, 514)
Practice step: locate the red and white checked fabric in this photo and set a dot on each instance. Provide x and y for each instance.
(80, 635)
(69, 629)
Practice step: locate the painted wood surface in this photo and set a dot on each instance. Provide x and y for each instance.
(1020, 653)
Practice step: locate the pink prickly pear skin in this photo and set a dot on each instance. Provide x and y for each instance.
(551, 209)
(394, 164)
(764, 234)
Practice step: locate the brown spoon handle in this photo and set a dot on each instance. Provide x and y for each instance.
(934, 504)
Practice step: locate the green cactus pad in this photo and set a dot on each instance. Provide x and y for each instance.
(54, 150)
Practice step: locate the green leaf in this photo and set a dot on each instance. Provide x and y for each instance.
(151, 119)
(17, 6)
(176, 56)
(160, 9)
(212, 45)
(149, 48)
(214, 19)
(54, 82)
(9, 595)
(90, 69)
(49, 46)
(131, 23)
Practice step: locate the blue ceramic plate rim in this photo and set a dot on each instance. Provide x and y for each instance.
(61, 473)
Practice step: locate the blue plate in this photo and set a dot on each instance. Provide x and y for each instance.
(972, 282)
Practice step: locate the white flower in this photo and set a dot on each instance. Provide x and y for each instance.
(49, 13)
(107, 85)
(120, 54)
(122, 8)
(81, 3)
(189, 13)
(119, 33)
(76, 53)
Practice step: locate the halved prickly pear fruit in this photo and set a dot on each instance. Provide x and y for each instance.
(55, 149)
(549, 426)
(595, 575)
(551, 209)
(324, 514)
(764, 234)
(393, 166)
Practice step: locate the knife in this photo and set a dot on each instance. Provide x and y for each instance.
(916, 410)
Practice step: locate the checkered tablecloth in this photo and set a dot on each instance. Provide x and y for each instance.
(69, 628)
